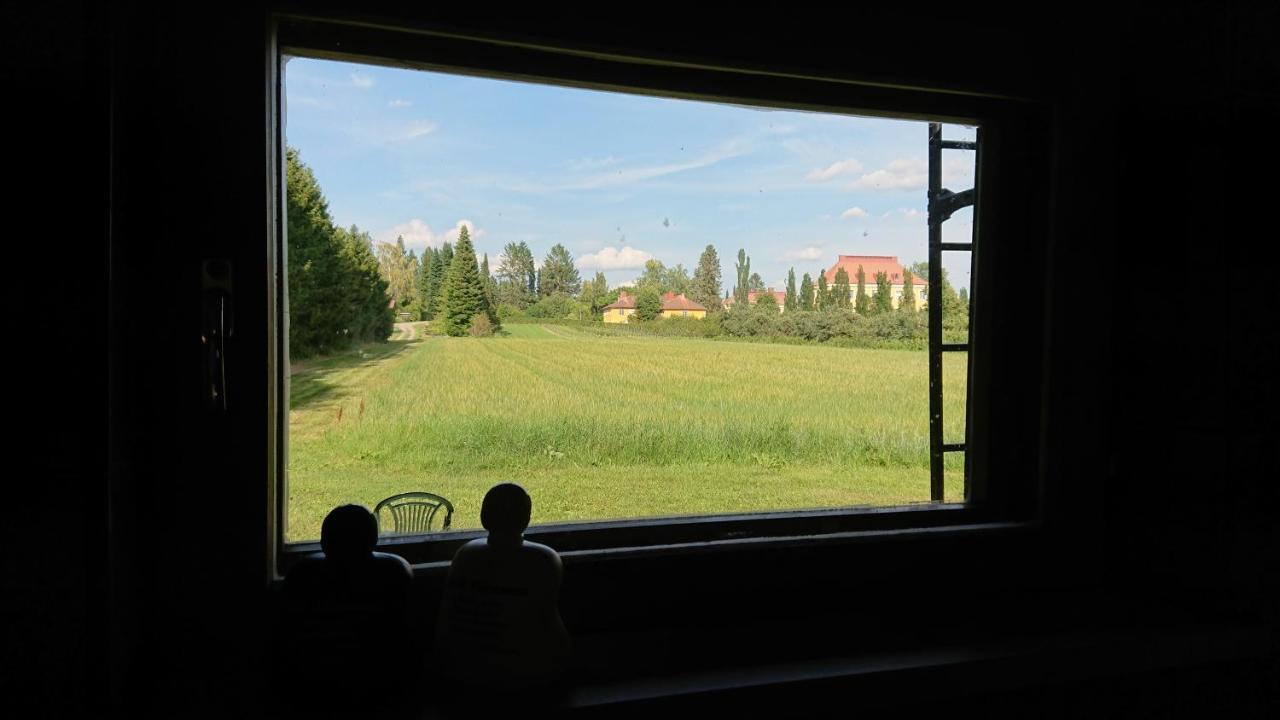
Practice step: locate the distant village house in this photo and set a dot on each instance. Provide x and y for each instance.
(673, 305)
(753, 295)
(872, 264)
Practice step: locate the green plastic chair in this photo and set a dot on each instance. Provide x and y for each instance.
(414, 512)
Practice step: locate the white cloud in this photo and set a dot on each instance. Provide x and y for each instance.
(398, 103)
(904, 212)
(900, 174)
(840, 167)
(418, 234)
(611, 258)
(812, 252)
(451, 235)
(590, 163)
(732, 148)
(417, 128)
(364, 82)
(854, 212)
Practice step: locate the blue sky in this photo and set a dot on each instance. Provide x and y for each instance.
(616, 178)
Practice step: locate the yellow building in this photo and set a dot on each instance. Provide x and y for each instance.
(673, 305)
(872, 264)
(622, 310)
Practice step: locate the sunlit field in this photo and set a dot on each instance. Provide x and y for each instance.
(614, 427)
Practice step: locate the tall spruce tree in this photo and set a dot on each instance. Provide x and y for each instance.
(806, 293)
(883, 299)
(908, 302)
(840, 292)
(743, 284)
(425, 289)
(444, 261)
(861, 303)
(792, 303)
(464, 295)
(706, 280)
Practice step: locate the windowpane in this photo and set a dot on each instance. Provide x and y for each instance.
(633, 306)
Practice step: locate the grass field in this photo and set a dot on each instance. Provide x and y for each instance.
(614, 427)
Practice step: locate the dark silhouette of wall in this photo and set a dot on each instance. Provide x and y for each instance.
(135, 546)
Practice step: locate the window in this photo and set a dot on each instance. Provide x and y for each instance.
(976, 489)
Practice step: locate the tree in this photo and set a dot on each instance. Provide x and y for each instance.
(840, 293)
(755, 282)
(823, 300)
(676, 280)
(426, 281)
(444, 261)
(861, 303)
(648, 304)
(705, 288)
(908, 302)
(517, 275)
(743, 286)
(792, 302)
(558, 274)
(806, 293)
(882, 301)
(766, 301)
(336, 295)
(398, 270)
(464, 295)
(595, 295)
(654, 275)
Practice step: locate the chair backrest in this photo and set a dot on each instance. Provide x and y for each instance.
(414, 512)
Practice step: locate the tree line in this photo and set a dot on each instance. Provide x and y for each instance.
(344, 289)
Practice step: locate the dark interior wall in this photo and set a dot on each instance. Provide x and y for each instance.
(136, 553)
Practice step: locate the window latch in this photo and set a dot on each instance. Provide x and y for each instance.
(217, 327)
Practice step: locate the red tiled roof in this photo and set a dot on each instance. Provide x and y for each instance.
(624, 302)
(671, 301)
(779, 295)
(871, 264)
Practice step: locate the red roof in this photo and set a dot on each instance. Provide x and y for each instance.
(624, 302)
(672, 301)
(779, 295)
(871, 264)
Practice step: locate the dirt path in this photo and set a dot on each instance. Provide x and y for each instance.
(407, 330)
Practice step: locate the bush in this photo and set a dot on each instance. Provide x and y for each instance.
(480, 326)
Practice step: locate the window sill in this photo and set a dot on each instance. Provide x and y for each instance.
(932, 673)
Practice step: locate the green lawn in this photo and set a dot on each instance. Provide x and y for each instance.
(614, 427)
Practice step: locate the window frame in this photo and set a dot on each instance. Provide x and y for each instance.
(998, 495)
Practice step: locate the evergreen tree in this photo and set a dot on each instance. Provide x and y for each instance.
(755, 283)
(464, 295)
(840, 293)
(335, 293)
(908, 302)
(743, 285)
(806, 293)
(426, 290)
(444, 261)
(823, 300)
(792, 302)
(558, 274)
(862, 303)
(706, 280)
(882, 301)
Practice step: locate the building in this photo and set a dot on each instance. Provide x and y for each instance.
(871, 265)
(779, 295)
(673, 305)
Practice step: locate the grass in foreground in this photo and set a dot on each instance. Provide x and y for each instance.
(614, 427)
